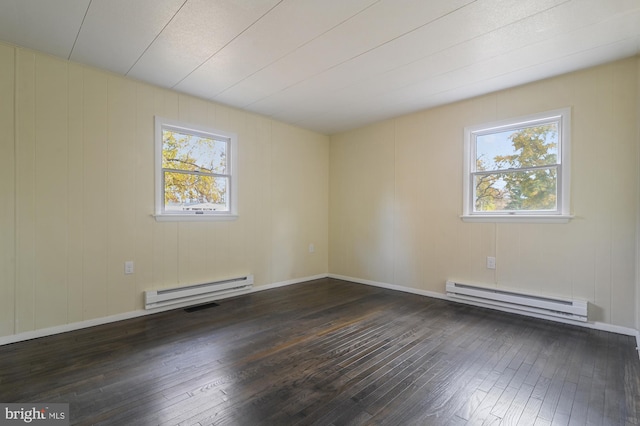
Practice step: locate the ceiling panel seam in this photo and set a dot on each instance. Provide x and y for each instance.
(391, 40)
(79, 30)
(228, 43)
(294, 50)
(156, 37)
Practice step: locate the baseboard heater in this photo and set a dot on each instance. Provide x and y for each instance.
(518, 302)
(196, 293)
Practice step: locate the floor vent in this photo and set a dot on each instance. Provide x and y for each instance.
(518, 302)
(201, 307)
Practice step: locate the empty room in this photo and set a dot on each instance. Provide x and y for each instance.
(320, 212)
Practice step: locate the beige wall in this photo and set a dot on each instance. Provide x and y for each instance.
(381, 203)
(7, 191)
(638, 218)
(396, 198)
(78, 186)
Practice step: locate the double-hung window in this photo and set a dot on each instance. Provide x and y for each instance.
(518, 170)
(196, 172)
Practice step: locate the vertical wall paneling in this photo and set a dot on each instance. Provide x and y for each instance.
(7, 191)
(25, 155)
(95, 208)
(298, 220)
(337, 195)
(508, 254)
(285, 222)
(79, 190)
(143, 150)
(592, 257)
(638, 201)
(51, 191)
(165, 237)
(80, 196)
(158, 248)
(362, 203)
(254, 204)
(482, 243)
(602, 212)
(411, 183)
(121, 185)
(75, 195)
(625, 186)
(583, 205)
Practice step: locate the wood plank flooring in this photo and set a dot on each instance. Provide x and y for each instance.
(329, 352)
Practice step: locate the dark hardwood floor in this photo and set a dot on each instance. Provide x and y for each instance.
(330, 352)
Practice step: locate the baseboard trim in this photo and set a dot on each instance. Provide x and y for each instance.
(390, 286)
(64, 328)
(34, 334)
(589, 324)
(289, 282)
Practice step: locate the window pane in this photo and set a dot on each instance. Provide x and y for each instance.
(194, 192)
(188, 152)
(518, 148)
(531, 190)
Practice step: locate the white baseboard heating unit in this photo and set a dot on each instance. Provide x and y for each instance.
(196, 293)
(509, 301)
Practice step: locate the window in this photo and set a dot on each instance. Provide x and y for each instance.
(518, 170)
(196, 172)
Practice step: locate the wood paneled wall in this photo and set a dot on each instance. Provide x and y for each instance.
(396, 198)
(381, 203)
(78, 196)
(7, 191)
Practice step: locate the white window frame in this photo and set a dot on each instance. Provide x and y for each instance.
(202, 131)
(562, 214)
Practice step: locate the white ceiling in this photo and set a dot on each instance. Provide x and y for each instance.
(329, 65)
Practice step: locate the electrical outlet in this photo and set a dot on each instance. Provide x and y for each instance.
(128, 267)
(491, 262)
(312, 248)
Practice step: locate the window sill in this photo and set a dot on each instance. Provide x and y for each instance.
(517, 218)
(194, 217)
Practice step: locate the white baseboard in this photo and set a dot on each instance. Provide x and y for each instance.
(28, 335)
(64, 328)
(593, 324)
(34, 334)
(290, 282)
(390, 286)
